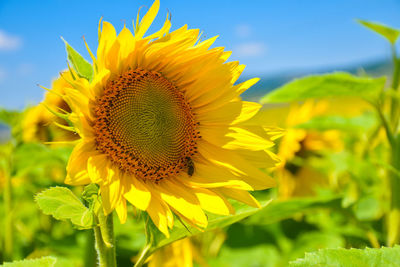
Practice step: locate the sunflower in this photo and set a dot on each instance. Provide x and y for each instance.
(297, 178)
(40, 124)
(162, 126)
(180, 253)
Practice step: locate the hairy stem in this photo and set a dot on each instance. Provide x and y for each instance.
(90, 252)
(105, 243)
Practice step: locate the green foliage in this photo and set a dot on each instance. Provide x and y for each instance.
(81, 66)
(62, 204)
(262, 255)
(42, 262)
(13, 120)
(283, 209)
(387, 32)
(336, 84)
(340, 257)
(10, 117)
(214, 221)
(346, 124)
(345, 205)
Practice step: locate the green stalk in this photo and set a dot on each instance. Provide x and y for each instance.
(394, 216)
(396, 69)
(395, 112)
(90, 252)
(8, 231)
(394, 140)
(105, 242)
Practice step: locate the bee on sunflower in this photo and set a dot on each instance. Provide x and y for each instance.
(162, 126)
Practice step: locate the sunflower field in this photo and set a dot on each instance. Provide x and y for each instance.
(150, 152)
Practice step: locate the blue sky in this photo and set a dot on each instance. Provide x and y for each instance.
(267, 36)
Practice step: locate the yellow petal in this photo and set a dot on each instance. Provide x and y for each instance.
(99, 82)
(215, 134)
(249, 110)
(223, 115)
(136, 192)
(158, 212)
(237, 71)
(97, 166)
(147, 20)
(242, 87)
(107, 39)
(213, 202)
(127, 44)
(121, 210)
(77, 173)
(207, 43)
(78, 102)
(260, 159)
(239, 195)
(210, 176)
(164, 30)
(111, 191)
(244, 139)
(229, 159)
(112, 59)
(183, 200)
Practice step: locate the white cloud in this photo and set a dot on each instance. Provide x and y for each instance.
(9, 42)
(250, 49)
(243, 30)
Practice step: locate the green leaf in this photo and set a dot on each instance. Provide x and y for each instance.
(81, 66)
(387, 32)
(264, 255)
(214, 221)
(279, 210)
(10, 117)
(323, 123)
(62, 204)
(388, 257)
(326, 85)
(313, 240)
(368, 208)
(42, 262)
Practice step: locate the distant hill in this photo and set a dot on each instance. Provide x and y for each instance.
(270, 82)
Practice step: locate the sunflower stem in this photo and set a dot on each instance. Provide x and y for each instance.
(90, 251)
(394, 140)
(8, 230)
(105, 242)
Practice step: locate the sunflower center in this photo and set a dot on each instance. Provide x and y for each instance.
(145, 125)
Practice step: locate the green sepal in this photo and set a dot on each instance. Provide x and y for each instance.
(64, 115)
(90, 196)
(83, 68)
